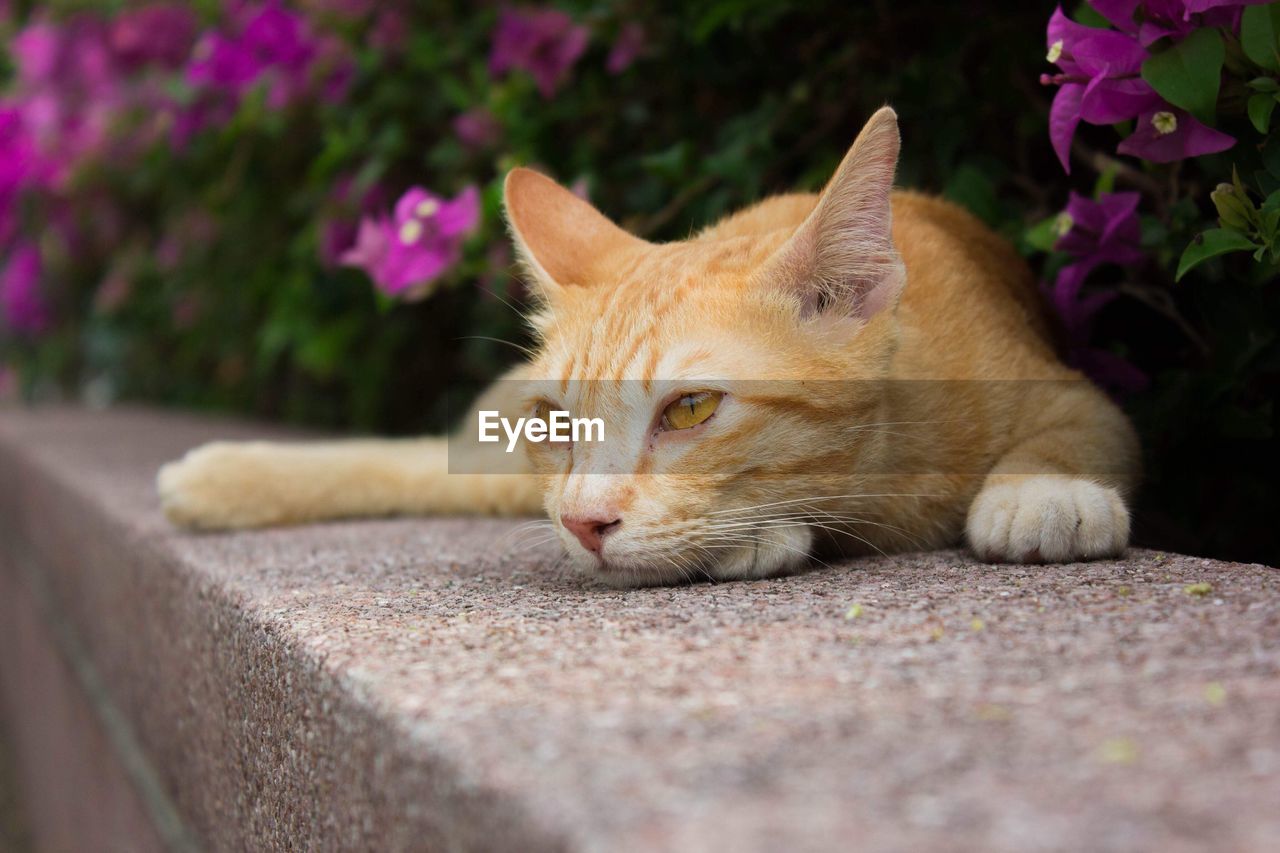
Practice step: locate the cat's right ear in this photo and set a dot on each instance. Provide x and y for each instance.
(562, 239)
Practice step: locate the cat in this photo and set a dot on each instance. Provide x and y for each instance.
(766, 375)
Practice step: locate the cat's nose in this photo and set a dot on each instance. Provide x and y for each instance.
(590, 531)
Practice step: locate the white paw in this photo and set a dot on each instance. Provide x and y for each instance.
(775, 550)
(218, 486)
(1047, 520)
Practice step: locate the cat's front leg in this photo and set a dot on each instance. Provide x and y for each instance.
(1058, 495)
(227, 485)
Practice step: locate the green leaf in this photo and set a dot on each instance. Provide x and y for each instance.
(1260, 35)
(1260, 107)
(1090, 17)
(1210, 244)
(1043, 234)
(1188, 74)
(1264, 84)
(1106, 181)
(1271, 155)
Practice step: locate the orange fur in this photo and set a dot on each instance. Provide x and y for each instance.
(888, 377)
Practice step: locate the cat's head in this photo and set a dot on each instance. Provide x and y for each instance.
(725, 367)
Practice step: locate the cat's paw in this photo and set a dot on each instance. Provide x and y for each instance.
(1047, 520)
(218, 486)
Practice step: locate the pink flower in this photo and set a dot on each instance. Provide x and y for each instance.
(1170, 134)
(1152, 20)
(546, 43)
(1106, 231)
(389, 31)
(21, 167)
(626, 49)
(477, 128)
(24, 307)
(36, 50)
(1103, 231)
(405, 252)
(344, 208)
(1101, 83)
(272, 45)
(69, 94)
(162, 34)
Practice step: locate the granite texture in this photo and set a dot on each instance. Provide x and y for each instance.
(435, 684)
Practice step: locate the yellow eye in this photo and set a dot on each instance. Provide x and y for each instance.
(542, 410)
(691, 409)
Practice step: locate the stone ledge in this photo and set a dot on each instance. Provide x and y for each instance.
(429, 684)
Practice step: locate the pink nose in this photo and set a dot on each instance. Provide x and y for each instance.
(590, 531)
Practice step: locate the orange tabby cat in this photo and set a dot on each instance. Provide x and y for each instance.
(856, 371)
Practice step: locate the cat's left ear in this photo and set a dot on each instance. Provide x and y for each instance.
(561, 238)
(842, 257)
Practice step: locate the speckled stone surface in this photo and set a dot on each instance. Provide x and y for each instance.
(431, 684)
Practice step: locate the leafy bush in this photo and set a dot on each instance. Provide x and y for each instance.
(293, 210)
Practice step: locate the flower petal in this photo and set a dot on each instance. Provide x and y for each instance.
(1064, 115)
(1107, 101)
(1189, 138)
(1119, 12)
(461, 214)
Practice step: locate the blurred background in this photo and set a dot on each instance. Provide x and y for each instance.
(290, 210)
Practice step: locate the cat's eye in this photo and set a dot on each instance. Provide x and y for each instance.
(542, 410)
(691, 409)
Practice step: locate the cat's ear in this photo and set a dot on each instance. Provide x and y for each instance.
(561, 238)
(842, 258)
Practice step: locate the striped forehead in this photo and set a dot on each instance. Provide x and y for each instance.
(618, 330)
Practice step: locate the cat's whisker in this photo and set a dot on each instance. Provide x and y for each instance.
(848, 519)
(810, 522)
(743, 538)
(521, 313)
(524, 350)
(520, 529)
(540, 542)
(827, 498)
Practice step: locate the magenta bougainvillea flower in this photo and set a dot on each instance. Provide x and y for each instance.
(162, 35)
(1169, 134)
(389, 32)
(1102, 231)
(25, 311)
(78, 78)
(477, 128)
(1151, 20)
(544, 42)
(68, 91)
(626, 49)
(345, 207)
(20, 167)
(1094, 233)
(271, 44)
(1100, 82)
(408, 250)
